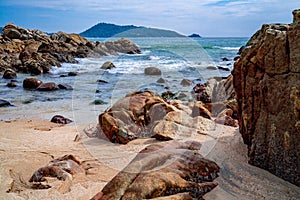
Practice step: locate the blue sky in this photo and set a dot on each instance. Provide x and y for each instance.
(206, 17)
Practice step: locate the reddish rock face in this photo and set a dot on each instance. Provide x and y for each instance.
(267, 85)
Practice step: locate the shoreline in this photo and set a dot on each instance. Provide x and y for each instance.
(33, 143)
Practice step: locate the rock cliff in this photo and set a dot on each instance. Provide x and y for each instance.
(267, 85)
(34, 52)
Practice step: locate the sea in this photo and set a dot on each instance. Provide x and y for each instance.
(95, 90)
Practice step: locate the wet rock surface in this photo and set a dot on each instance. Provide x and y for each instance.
(266, 81)
(34, 52)
(165, 170)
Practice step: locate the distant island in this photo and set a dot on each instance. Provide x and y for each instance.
(194, 35)
(112, 30)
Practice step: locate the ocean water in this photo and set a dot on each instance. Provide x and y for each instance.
(177, 58)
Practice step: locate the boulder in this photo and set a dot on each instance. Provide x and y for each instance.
(60, 120)
(168, 169)
(50, 86)
(107, 65)
(186, 82)
(152, 71)
(145, 114)
(266, 81)
(161, 80)
(31, 83)
(9, 74)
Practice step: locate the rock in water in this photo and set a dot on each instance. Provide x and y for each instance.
(108, 65)
(267, 85)
(4, 103)
(152, 71)
(9, 74)
(31, 83)
(48, 87)
(163, 170)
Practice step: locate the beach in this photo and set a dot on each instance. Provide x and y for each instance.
(32, 143)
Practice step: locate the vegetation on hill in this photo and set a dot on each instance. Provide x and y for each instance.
(112, 30)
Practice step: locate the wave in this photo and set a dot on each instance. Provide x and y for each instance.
(227, 48)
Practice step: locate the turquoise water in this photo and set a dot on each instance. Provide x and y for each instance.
(177, 58)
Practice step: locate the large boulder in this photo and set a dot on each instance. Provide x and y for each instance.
(145, 114)
(267, 84)
(168, 170)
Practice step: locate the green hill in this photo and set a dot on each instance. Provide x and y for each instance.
(112, 30)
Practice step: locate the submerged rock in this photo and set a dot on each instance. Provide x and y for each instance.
(267, 84)
(168, 169)
(152, 71)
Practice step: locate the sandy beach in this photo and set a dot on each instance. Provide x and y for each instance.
(28, 144)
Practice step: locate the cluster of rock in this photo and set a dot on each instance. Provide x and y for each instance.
(267, 85)
(167, 170)
(34, 83)
(145, 114)
(34, 52)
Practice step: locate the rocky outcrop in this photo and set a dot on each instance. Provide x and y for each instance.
(170, 170)
(145, 114)
(267, 85)
(34, 52)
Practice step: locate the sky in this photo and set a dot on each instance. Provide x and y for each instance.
(209, 18)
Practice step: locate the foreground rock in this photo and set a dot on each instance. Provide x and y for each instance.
(31, 83)
(34, 52)
(62, 168)
(266, 81)
(145, 115)
(169, 170)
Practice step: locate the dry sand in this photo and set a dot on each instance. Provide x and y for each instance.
(28, 144)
